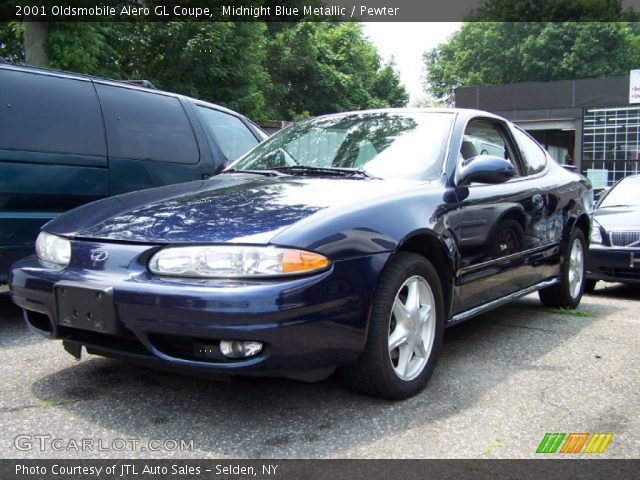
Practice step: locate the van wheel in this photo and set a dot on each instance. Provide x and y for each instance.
(568, 293)
(405, 331)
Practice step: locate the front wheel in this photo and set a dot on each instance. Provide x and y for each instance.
(568, 292)
(405, 331)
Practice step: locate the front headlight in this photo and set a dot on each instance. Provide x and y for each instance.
(596, 234)
(234, 261)
(53, 249)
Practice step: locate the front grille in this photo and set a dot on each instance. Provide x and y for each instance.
(624, 239)
(622, 273)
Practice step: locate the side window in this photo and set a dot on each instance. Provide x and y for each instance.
(43, 113)
(533, 156)
(486, 138)
(147, 126)
(233, 136)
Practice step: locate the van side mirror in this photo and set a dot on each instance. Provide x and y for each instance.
(484, 169)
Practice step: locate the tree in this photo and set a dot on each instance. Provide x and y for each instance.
(489, 53)
(551, 11)
(35, 43)
(328, 67)
(11, 41)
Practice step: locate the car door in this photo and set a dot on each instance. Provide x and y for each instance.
(495, 225)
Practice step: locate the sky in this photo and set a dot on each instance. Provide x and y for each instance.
(407, 42)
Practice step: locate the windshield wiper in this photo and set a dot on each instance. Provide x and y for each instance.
(309, 170)
(260, 171)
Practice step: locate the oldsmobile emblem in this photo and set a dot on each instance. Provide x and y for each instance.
(99, 255)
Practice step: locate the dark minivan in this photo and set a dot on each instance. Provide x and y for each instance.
(68, 139)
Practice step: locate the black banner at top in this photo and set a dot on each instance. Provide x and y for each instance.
(320, 10)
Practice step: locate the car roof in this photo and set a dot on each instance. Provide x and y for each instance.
(108, 81)
(467, 112)
(628, 179)
(633, 178)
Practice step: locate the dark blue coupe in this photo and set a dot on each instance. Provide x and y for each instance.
(349, 241)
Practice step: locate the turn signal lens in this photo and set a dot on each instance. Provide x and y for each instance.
(298, 261)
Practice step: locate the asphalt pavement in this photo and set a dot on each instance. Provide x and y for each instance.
(503, 380)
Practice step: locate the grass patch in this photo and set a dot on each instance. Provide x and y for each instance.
(570, 311)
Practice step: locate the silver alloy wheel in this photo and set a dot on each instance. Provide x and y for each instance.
(576, 268)
(412, 328)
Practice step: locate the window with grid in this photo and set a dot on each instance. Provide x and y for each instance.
(611, 144)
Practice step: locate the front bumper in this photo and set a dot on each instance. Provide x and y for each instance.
(613, 264)
(306, 324)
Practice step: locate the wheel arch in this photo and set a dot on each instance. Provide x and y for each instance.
(583, 223)
(431, 246)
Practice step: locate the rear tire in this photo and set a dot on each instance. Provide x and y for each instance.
(405, 331)
(568, 292)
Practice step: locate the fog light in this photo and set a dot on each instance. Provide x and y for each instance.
(236, 349)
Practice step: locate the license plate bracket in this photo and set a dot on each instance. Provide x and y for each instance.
(86, 308)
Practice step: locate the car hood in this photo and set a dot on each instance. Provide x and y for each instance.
(618, 218)
(227, 208)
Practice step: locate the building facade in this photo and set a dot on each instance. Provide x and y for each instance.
(586, 123)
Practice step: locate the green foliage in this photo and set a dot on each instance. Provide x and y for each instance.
(11, 41)
(551, 11)
(84, 48)
(328, 67)
(489, 53)
(571, 312)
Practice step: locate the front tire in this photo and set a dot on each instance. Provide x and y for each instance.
(405, 331)
(568, 292)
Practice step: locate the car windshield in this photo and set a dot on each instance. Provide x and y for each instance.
(626, 193)
(379, 144)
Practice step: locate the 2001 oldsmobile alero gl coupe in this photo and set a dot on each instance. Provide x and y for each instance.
(349, 240)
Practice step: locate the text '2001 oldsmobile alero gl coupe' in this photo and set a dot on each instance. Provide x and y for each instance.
(349, 240)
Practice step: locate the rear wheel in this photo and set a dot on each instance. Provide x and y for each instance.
(405, 331)
(568, 292)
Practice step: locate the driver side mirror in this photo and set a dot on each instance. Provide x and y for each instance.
(484, 169)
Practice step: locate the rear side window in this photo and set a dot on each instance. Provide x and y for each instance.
(233, 136)
(43, 113)
(533, 156)
(147, 126)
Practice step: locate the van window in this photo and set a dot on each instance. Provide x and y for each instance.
(147, 126)
(44, 113)
(233, 136)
